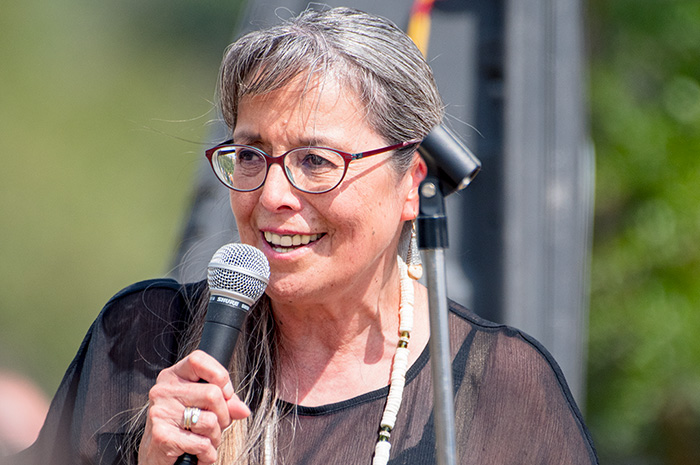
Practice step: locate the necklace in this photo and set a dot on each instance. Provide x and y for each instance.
(398, 369)
(398, 374)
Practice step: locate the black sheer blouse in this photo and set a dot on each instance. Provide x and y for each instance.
(512, 404)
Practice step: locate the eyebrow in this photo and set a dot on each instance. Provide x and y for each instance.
(249, 138)
(245, 138)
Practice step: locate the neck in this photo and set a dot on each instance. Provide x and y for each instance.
(335, 352)
(333, 318)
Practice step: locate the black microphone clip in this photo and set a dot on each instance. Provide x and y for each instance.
(451, 167)
(449, 160)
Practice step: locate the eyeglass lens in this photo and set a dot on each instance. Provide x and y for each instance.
(310, 169)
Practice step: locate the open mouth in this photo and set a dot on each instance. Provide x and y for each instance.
(287, 243)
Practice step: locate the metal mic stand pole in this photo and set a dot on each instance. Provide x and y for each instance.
(432, 241)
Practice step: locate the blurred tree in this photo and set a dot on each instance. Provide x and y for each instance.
(104, 111)
(644, 373)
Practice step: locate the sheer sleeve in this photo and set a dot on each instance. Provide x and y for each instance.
(136, 335)
(514, 403)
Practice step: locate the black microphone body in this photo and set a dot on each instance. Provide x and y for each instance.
(238, 275)
(223, 323)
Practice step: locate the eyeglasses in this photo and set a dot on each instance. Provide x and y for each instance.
(314, 170)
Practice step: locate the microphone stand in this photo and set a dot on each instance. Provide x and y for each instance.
(432, 241)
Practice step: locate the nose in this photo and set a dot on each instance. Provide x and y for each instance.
(277, 193)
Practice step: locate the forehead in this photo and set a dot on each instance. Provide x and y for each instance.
(307, 108)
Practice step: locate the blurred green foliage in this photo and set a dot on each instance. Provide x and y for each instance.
(104, 112)
(644, 357)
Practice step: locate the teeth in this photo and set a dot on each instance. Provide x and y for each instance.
(285, 241)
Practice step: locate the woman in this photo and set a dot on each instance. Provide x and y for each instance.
(341, 318)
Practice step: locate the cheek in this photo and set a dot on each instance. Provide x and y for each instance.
(370, 217)
(242, 205)
(235, 203)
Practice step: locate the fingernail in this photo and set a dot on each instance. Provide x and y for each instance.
(228, 391)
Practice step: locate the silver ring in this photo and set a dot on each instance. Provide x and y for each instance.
(195, 415)
(190, 417)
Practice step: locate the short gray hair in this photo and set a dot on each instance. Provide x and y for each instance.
(369, 54)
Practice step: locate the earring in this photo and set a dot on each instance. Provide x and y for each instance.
(415, 267)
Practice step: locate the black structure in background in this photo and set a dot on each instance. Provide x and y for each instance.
(511, 73)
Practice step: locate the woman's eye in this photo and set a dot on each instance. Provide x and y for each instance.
(314, 160)
(246, 155)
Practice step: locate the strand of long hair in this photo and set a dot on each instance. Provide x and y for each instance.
(253, 371)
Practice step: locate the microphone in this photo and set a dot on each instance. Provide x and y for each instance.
(237, 275)
(448, 159)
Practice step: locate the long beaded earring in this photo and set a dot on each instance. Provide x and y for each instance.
(415, 267)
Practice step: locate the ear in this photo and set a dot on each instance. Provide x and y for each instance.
(415, 175)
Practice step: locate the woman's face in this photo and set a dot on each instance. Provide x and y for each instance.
(322, 245)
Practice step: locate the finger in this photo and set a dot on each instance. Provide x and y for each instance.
(237, 410)
(201, 366)
(194, 444)
(163, 442)
(205, 397)
(206, 424)
(169, 398)
(210, 398)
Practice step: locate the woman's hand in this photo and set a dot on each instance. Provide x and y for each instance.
(177, 388)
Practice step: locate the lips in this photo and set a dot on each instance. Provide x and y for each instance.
(286, 243)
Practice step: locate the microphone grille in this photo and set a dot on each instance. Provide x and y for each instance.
(241, 269)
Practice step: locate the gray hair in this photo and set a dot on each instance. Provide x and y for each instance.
(368, 54)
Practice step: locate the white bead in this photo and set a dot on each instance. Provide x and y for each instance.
(381, 453)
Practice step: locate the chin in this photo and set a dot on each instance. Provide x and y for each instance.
(284, 287)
